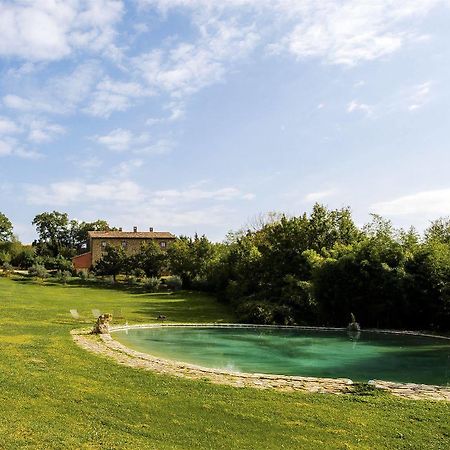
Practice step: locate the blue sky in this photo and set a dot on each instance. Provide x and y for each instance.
(197, 115)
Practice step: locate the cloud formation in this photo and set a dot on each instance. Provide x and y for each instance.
(46, 30)
(345, 32)
(432, 202)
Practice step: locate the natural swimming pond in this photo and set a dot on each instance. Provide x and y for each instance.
(287, 351)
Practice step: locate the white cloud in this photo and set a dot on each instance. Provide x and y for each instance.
(187, 67)
(354, 105)
(87, 163)
(7, 126)
(68, 192)
(11, 147)
(433, 202)
(120, 140)
(58, 95)
(23, 104)
(25, 153)
(339, 32)
(117, 140)
(125, 168)
(419, 96)
(111, 96)
(160, 147)
(52, 29)
(171, 196)
(319, 195)
(6, 147)
(43, 131)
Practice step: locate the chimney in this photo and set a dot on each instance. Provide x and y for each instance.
(120, 229)
(135, 229)
(151, 229)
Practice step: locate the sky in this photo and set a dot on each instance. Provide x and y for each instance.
(198, 115)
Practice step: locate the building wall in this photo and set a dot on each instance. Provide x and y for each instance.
(133, 245)
(82, 262)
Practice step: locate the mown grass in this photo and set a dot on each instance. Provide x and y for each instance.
(54, 395)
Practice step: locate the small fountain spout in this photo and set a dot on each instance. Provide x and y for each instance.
(353, 330)
(353, 325)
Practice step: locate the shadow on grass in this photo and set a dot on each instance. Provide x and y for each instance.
(176, 306)
(185, 307)
(77, 283)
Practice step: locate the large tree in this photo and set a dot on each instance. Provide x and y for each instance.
(54, 232)
(151, 259)
(60, 236)
(190, 258)
(112, 262)
(6, 228)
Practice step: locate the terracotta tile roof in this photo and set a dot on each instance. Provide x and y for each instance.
(131, 235)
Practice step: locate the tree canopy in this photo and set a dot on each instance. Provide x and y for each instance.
(6, 228)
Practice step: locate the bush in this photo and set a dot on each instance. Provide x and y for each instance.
(265, 313)
(201, 284)
(5, 257)
(131, 280)
(151, 284)
(138, 273)
(7, 269)
(38, 271)
(63, 276)
(25, 258)
(254, 312)
(173, 283)
(82, 275)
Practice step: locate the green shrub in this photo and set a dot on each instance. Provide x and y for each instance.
(38, 271)
(173, 283)
(138, 273)
(63, 276)
(7, 269)
(82, 275)
(5, 257)
(151, 284)
(254, 312)
(25, 258)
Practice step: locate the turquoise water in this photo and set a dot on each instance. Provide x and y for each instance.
(333, 354)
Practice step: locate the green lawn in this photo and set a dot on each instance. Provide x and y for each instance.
(56, 395)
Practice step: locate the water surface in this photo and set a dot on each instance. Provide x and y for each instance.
(389, 357)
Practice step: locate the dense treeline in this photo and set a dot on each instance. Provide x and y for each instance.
(59, 239)
(312, 269)
(317, 269)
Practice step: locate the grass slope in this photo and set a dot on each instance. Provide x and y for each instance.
(55, 395)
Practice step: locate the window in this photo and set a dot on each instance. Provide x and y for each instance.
(124, 244)
(162, 244)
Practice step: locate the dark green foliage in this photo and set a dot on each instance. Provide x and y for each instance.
(151, 284)
(317, 269)
(151, 260)
(173, 283)
(112, 263)
(59, 236)
(38, 271)
(190, 258)
(7, 269)
(6, 228)
(24, 257)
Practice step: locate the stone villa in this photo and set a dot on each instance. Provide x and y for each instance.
(130, 241)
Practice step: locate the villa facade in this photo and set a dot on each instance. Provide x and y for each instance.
(130, 241)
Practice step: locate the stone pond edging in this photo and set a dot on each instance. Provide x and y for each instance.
(105, 345)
